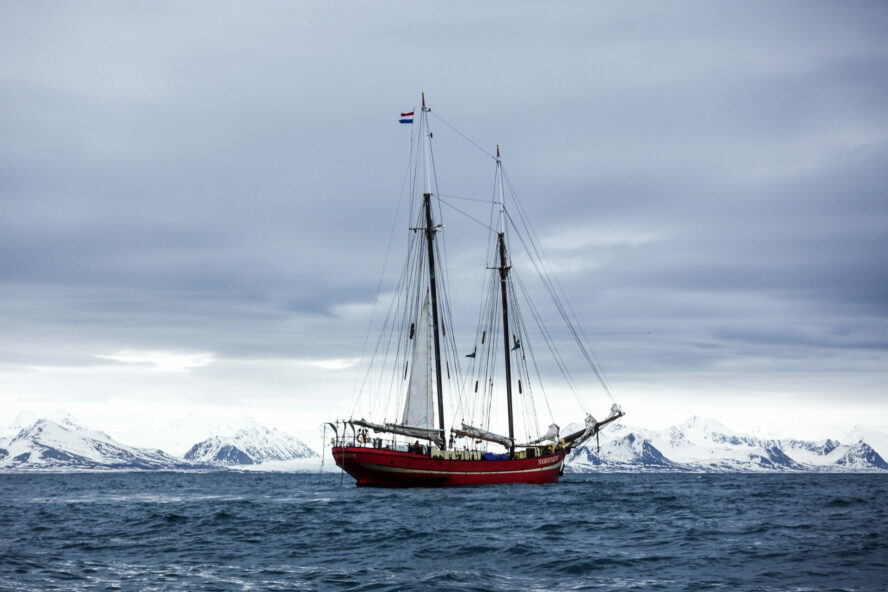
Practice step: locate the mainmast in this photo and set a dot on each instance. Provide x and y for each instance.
(504, 284)
(430, 239)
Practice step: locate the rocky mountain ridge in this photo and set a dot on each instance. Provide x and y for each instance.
(63, 444)
(253, 444)
(58, 442)
(705, 445)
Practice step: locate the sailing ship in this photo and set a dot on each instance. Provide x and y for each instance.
(416, 357)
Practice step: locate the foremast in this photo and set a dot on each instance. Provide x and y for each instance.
(502, 265)
(430, 230)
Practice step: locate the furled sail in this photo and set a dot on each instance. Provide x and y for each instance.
(550, 436)
(434, 435)
(592, 427)
(419, 409)
(473, 432)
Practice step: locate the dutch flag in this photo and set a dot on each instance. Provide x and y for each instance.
(406, 117)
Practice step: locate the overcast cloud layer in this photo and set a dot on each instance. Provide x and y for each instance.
(195, 201)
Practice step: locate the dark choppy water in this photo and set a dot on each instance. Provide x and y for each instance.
(229, 531)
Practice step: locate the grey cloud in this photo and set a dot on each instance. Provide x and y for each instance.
(211, 179)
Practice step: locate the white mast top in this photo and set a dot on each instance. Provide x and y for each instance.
(499, 188)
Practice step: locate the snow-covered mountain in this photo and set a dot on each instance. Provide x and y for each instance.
(876, 439)
(251, 444)
(57, 442)
(178, 435)
(61, 443)
(706, 445)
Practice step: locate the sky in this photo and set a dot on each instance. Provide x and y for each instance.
(196, 200)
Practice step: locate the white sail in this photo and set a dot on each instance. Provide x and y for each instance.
(419, 409)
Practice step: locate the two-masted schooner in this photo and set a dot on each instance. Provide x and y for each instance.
(416, 356)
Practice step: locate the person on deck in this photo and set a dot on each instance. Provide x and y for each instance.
(416, 448)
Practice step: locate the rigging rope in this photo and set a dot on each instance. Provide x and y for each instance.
(463, 136)
(487, 201)
(470, 217)
(538, 264)
(382, 275)
(407, 301)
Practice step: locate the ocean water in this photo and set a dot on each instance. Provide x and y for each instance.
(241, 531)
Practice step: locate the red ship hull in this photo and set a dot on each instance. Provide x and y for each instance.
(379, 467)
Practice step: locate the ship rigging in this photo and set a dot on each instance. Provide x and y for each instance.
(415, 365)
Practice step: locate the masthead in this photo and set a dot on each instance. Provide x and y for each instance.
(423, 100)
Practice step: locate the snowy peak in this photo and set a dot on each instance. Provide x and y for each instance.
(39, 443)
(253, 444)
(704, 427)
(861, 456)
(877, 440)
(61, 417)
(625, 450)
